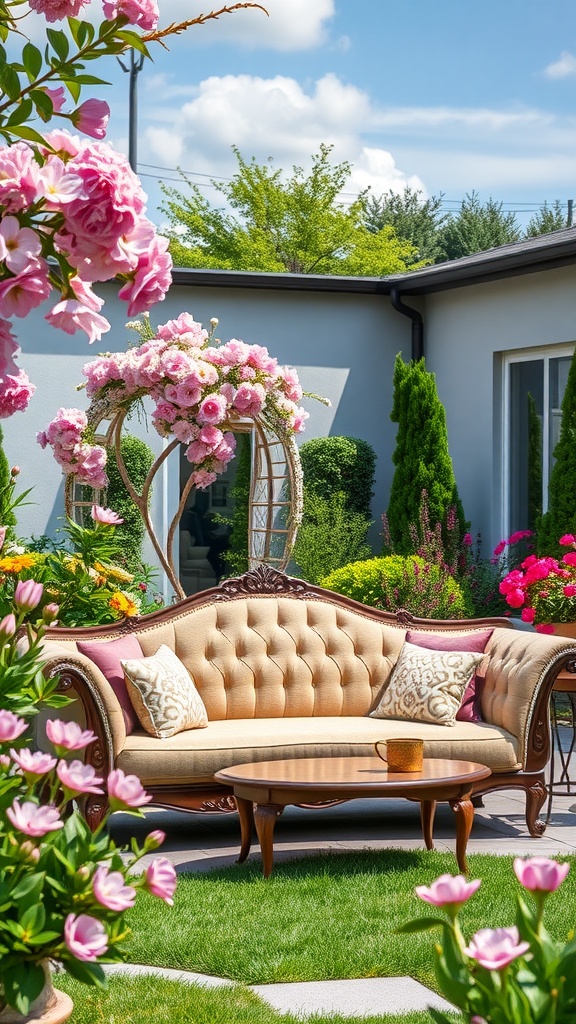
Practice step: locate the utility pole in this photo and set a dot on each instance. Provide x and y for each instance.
(570, 215)
(134, 69)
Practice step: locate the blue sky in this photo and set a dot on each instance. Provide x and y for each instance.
(443, 95)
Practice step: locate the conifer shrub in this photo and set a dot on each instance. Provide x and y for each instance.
(421, 457)
(560, 519)
(340, 465)
(138, 458)
(7, 516)
(398, 581)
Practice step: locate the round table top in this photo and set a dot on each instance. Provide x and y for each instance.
(349, 773)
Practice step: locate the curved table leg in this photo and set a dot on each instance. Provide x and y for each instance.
(246, 815)
(464, 811)
(427, 812)
(265, 819)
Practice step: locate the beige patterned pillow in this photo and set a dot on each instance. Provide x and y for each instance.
(163, 694)
(427, 686)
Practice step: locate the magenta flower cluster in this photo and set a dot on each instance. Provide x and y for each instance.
(196, 385)
(90, 893)
(544, 588)
(143, 13)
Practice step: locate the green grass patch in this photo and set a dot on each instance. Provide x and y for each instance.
(142, 1000)
(323, 917)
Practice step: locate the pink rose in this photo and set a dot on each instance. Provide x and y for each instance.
(143, 13)
(85, 937)
(544, 627)
(125, 791)
(160, 878)
(36, 763)
(183, 430)
(202, 478)
(185, 329)
(91, 117)
(28, 595)
(57, 10)
(212, 409)
(11, 726)
(71, 316)
(528, 614)
(8, 349)
(20, 294)
(499, 548)
(495, 948)
(567, 540)
(448, 891)
(68, 735)
(569, 558)
(19, 247)
(151, 280)
(18, 177)
(34, 819)
(515, 598)
(15, 394)
(110, 890)
(540, 874)
(249, 399)
(78, 777)
(569, 590)
(105, 516)
(187, 394)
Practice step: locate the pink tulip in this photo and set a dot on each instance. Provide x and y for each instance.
(34, 819)
(85, 937)
(495, 948)
(154, 839)
(160, 878)
(125, 791)
(105, 516)
(36, 763)
(448, 890)
(540, 874)
(7, 627)
(110, 891)
(28, 595)
(92, 117)
(68, 735)
(11, 726)
(50, 613)
(78, 777)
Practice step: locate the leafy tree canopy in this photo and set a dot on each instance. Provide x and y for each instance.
(413, 217)
(478, 227)
(272, 223)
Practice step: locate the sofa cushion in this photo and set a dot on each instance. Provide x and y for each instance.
(193, 757)
(107, 656)
(427, 686)
(163, 694)
(469, 710)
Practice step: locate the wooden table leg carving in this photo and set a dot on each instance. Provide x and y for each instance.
(427, 812)
(464, 811)
(265, 816)
(246, 815)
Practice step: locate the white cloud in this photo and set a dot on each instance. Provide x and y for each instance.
(290, 25)
(564, 67)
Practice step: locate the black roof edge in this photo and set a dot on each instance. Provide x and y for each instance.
(545, 252)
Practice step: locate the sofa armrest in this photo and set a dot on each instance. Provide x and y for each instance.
(101, 706)
(521, 672)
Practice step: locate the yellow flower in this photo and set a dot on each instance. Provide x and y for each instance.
(123, 604)
(16, 563)
(114, 573)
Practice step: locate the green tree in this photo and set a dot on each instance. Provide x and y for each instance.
(547, 218)
(561, 515)
(296, 224)
(346, 464)
(421, 458)
(236, 557)
(477, 227)
(414, 218)
(138, 458)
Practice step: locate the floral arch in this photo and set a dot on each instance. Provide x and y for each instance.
(204, 392)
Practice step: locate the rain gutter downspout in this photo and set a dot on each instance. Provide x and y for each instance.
(417, 323)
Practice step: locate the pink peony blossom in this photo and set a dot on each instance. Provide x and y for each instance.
(91, 118)
(105, 516)
(528, 614)
(34, 819)
(540, 874)
(515, 598)
(25, 291)
(151, 280)
(78, 777)
(11, 726)
(68, 735)
(160, 879)
(125, 791)
(36, 763)
(567, 540)
(15, 394)
(495, 948)
(448, 890)
(569, 558)
(8, 349)
(85, 937)
(143, 13)
(70, 316)
(28, 595)
(19, 247)
(249, 399)
(110, 890)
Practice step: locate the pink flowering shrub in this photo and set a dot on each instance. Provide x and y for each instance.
(196, 384)
(516, 974)
(544, 588)
(65, 889)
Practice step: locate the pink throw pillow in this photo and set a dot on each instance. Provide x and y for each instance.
(469, 710)
(107, 657)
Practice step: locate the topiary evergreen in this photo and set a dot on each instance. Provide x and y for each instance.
(421, 457)
(138, 458)
(561, 515)
(340, 464)
(7, 517)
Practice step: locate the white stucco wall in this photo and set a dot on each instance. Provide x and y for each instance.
(467, 331)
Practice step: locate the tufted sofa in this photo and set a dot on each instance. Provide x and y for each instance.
(286, 669)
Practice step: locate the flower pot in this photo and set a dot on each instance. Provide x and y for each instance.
(51, 1006)
(565, 629)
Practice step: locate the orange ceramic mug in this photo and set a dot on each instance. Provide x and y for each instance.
(401, 755)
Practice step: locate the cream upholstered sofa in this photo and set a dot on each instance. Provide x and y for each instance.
(286, 669)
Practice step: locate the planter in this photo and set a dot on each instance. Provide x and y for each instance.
(51, 1006)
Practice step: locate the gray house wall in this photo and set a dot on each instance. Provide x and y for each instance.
(468, 330)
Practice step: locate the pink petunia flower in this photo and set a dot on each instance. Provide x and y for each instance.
(160, 878)
(79, 777)
(85, 937)
(110, 890)
(495, 948)
(68, 735)
(540, 874)
(34, 819)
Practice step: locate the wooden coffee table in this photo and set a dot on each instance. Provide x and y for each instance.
(263, 789)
